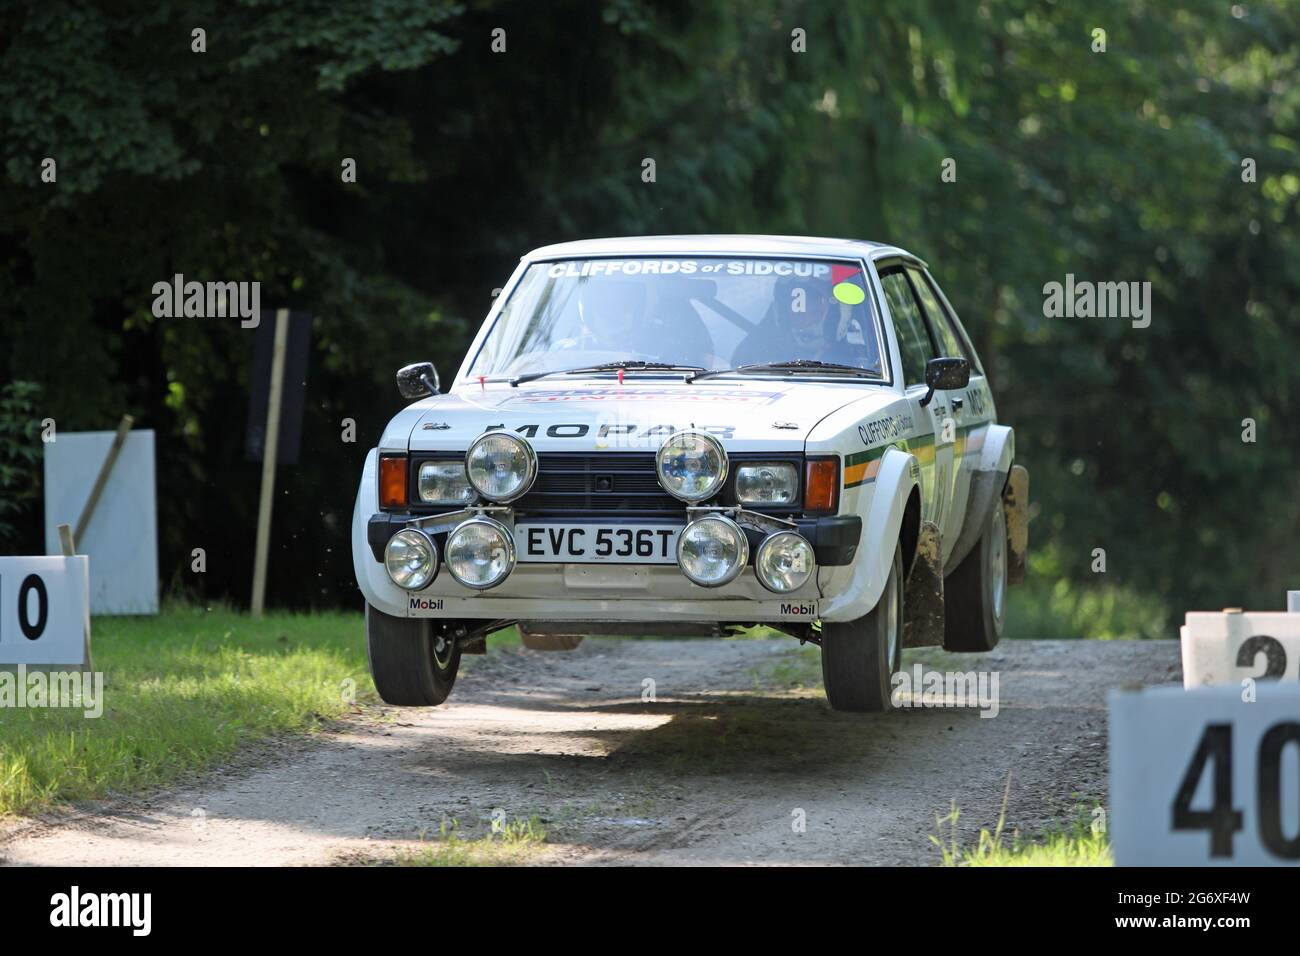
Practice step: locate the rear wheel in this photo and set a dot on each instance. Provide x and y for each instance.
(412, 665)
(975, 595)
(860, 658)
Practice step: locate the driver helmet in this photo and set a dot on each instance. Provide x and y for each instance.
(807, 323)
(610, 309)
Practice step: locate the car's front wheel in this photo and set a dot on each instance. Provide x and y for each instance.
(860, 658)
(411, 664)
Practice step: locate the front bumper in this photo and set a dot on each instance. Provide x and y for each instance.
(607, 592)
(834, 538)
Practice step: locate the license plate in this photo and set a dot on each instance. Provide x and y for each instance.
(589, 543)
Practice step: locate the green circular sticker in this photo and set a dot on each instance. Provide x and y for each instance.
(849, 293)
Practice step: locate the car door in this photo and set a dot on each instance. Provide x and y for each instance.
(973, 406)
(930, 443)
(969, 410)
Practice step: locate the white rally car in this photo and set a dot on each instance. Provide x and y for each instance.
(687, 435)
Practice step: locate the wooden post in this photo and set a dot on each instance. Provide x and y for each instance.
(270, 450)
(106, 469)
(66, 541)
(69, 548)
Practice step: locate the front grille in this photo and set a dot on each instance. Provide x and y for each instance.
(571, 483)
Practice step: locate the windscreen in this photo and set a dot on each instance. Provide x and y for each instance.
(701, 312)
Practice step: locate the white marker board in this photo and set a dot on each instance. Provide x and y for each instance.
(1227, 648)
(122, 537)
(1202, 778)
(44, 610)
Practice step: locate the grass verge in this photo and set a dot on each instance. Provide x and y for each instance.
(182, 691)
(1051, 605)
(1078, 842)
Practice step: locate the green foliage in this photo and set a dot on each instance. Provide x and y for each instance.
(1053, 605)
(1077, 842)
(349, 39)
(514, 843)
(20, 454)
(1123, 165)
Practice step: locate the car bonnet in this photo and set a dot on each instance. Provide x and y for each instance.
(561, 414)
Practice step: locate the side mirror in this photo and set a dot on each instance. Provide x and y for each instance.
(943, 374)
(418, 380)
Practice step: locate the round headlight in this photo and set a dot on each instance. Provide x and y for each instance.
(500, 466)
(480, 553)
(411, 559)
(712, 551)
(784, 561)
(692, 466)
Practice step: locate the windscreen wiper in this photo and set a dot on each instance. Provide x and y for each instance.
(792, 366)
(631, 365)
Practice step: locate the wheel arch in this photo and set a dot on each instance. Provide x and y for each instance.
(896, 484)
(987, 481)
(909, 533)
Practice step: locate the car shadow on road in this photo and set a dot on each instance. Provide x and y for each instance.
(715, 734)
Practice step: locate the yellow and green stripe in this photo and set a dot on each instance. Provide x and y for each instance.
(861, 468)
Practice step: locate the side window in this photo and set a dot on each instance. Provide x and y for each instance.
(943, 331)
(954, 323)
(913, 340)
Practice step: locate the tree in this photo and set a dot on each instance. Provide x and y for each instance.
(1122, 165)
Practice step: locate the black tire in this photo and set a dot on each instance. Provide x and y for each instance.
(859, 659)
(406, 664)
(975, 594)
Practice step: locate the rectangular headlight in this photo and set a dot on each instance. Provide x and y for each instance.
(767, 483)
(444, 483)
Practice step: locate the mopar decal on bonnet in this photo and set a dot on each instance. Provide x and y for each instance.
(614, 430)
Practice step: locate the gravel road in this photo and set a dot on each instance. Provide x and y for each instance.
(736, 749)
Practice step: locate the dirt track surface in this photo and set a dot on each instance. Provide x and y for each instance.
(714, 771)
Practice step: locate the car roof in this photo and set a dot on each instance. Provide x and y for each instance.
(710, 245)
